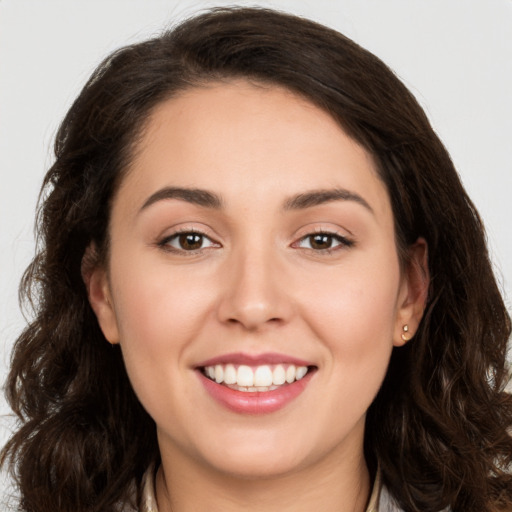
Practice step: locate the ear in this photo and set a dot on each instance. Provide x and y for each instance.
(413, 293)
(96, 282)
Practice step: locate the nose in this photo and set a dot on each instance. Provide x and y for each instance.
(254, 292)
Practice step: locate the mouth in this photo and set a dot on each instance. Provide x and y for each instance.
(247, 384)
(255, 379)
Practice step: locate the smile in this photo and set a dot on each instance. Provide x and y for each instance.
(262, 384)
(255, 379)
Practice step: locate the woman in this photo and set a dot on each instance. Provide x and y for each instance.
(262, 286)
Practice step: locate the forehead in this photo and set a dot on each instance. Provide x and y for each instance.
(240, 137)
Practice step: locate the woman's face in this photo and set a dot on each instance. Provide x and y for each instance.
(251, 240)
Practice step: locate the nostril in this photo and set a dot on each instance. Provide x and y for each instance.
(252, 322)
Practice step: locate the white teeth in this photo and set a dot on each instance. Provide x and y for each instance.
(278, 375)
(245, 376)
(219, 373)
(263, 376)
(230, 374)
(301, 372)
(290, 374)
(259, 378)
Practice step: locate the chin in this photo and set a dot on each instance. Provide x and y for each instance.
(260, 460)
(258, 468)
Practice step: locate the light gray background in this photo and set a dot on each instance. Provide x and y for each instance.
(455, 55)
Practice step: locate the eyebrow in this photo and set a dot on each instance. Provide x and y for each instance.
(318, 197)
(301, 201)
(197, 196)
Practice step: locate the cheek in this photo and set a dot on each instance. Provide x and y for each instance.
(351, 313)
(156, 304)
(354, 310)
(159, 315)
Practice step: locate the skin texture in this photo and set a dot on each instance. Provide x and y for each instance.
(256, 285)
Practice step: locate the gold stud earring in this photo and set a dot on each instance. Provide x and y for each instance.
(405, 336)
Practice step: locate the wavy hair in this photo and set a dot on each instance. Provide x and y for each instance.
(439, 426)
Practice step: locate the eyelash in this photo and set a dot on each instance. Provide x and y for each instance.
(165, 242)
(343, 241)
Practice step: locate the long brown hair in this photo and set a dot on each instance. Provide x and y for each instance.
(439, 427)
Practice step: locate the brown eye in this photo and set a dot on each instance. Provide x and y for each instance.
(323, 242)
(190, 241)
(320, 241)
(187, 242)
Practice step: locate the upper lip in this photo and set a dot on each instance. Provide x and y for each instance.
(240, 358)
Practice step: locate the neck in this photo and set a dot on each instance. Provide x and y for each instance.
(185, 485)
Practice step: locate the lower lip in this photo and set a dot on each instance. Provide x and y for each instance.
(255, 402)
